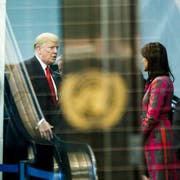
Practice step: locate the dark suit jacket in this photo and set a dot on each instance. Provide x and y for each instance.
(41, 88)
(176, 129)
(17, 138)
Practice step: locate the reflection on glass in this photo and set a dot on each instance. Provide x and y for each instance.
(21, 87)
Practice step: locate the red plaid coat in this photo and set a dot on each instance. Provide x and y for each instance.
(157, 130)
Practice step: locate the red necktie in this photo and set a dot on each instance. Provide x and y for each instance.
(51, 85)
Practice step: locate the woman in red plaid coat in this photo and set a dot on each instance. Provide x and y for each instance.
(156, 108)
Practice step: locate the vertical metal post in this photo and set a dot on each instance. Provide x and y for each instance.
(2, 60)
(104, 18)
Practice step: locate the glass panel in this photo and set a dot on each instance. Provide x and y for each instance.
(102, 84)
(17, 79)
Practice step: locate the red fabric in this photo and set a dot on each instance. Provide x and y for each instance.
(159, 151)
(51, 85)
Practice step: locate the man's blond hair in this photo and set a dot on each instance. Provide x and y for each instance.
(44, 38)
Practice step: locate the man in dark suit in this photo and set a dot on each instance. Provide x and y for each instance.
(46, 49)
(17, 138)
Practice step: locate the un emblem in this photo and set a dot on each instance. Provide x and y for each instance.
(92, 99)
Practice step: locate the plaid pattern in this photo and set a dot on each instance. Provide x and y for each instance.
(157, 131)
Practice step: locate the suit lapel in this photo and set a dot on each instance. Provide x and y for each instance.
(37, 75)
(55, 74)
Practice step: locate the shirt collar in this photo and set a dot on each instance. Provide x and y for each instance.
(43, 65)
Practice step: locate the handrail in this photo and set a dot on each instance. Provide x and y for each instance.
(21, 86)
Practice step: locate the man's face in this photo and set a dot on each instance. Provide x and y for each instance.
(48, 52)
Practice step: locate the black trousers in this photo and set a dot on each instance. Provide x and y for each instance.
(44, 157)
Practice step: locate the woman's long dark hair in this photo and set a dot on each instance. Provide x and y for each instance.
(157, 58)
